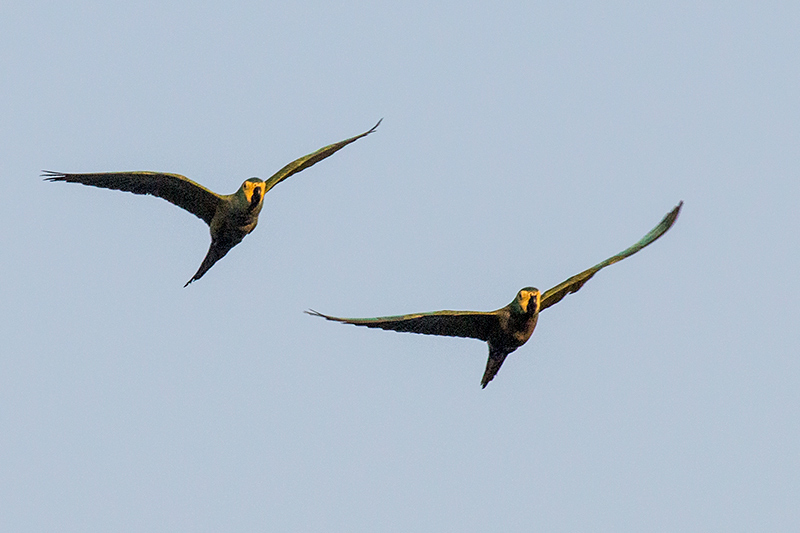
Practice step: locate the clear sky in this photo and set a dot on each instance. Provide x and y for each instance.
(521, 143)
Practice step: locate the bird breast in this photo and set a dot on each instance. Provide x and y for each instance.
(232, 222)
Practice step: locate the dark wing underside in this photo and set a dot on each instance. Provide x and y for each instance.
(471, 324)
(307, 160)
(573, 284)
(174, 188)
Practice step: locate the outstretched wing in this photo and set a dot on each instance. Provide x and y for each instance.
(573, 284)
(173, 188)
(472, 324)
(307, 160)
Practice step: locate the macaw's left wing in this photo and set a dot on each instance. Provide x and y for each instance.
(471, 324)
(573, 284)
(307, 160)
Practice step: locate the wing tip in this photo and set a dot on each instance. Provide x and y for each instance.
(351, 321)
(375, 127)
(666, 223)
(672, 216)
(313, 312)
(50, 175)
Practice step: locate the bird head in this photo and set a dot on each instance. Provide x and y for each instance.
(253, 190)
(528, 300)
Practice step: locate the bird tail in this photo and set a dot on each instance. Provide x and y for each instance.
(496, 358)
(215, 253)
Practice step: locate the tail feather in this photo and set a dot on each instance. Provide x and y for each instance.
(493, 364)
(215, 253)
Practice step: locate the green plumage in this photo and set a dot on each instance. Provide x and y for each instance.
(230, 217)
(509, 327)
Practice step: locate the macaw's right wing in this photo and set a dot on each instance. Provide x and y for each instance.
(471, 324)
(174, 188)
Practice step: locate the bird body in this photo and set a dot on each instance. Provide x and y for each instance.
(509, 327)
(235, 217)
(516, 323)
(230, 217)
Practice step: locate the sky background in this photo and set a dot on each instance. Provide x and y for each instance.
(522, 142)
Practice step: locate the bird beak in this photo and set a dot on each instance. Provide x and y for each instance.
(256, 198)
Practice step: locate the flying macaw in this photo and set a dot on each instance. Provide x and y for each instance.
(509, 327)
(230, 217)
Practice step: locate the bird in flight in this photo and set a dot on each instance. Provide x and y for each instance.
(230, 217)
(509, 327)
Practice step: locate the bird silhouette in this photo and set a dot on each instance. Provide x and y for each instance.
(230, 217)
(509, 327)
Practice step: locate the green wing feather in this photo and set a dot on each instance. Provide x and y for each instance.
(307, 160)
(573, 284)
(174, 188)
(471, 324)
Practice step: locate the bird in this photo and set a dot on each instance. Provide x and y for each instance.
(509, 327)
(230, 217)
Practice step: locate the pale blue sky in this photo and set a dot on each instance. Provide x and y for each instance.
(521, 143)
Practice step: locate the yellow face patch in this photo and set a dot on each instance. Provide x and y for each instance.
(525, 298)
(249, 187)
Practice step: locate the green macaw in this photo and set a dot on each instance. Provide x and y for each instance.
(230, 217)
(509, 327)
